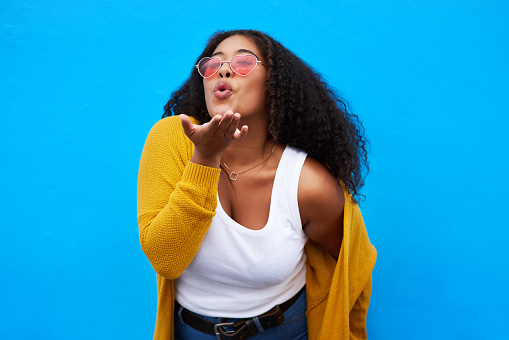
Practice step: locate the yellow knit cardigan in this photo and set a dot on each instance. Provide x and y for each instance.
(176, 204)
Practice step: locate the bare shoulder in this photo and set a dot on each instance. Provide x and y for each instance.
(318, 188)
(321, 203)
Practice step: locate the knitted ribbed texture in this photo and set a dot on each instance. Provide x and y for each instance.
(338, 292)
(176, 204)
(176, 199)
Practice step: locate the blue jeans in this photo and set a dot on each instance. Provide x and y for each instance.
(293, 328)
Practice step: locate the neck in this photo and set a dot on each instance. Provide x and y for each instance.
(253, 149)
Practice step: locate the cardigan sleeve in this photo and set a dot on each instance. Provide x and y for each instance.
(359, 313)
(176, 199)
(338, 292)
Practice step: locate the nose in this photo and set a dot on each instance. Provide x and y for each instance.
(225, 71)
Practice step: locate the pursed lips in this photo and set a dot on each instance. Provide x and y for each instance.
(222, 90)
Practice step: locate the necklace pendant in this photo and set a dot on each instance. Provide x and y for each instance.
(234, 175)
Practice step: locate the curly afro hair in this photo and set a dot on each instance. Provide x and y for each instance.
(302, 110)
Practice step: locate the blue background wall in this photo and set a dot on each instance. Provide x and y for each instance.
(82, 82)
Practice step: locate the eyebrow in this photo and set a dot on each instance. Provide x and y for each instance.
(242, 50)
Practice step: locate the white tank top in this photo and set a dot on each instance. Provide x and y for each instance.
(239, 272)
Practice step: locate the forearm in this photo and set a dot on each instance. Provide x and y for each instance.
(170, 237)
(176, 199)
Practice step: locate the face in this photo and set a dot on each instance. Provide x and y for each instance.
(227, 90)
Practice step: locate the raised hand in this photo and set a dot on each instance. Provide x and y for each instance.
(212, 138)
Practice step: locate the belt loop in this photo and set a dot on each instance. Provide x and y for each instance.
(258, 324)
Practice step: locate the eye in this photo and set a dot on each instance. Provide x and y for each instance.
(213, 63)
(208, 66)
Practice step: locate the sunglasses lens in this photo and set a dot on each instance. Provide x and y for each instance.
(243, 64)
(209, 66)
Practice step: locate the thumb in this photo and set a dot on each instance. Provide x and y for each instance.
(187, 125)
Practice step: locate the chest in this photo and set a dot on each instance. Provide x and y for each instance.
(254, 217)
(247, 201)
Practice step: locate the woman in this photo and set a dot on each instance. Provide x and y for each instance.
(246, 201)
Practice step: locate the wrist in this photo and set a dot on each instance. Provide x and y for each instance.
(212, 161)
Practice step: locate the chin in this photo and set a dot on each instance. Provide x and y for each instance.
(220, 109)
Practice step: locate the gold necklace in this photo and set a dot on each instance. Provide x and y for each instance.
(234, 175)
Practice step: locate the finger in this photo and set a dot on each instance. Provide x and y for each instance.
(233, 125)
(225, 122)
(214, 122)
(188, 126)
(239, 135)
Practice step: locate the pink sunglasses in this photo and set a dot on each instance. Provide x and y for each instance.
(240, 64)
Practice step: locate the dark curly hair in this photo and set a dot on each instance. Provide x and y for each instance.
(302, 110)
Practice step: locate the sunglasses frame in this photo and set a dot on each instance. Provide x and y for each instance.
(229, 62)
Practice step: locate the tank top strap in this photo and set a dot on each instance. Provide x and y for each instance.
(286, 184)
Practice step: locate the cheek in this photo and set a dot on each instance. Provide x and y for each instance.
(207, 91)
(208, 100)
(205, 83)
(261, 87)
(257, 95)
